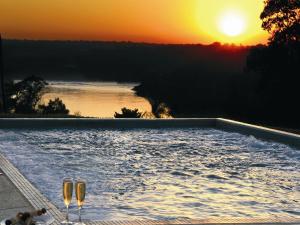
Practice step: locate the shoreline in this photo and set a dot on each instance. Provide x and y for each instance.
(142, 92)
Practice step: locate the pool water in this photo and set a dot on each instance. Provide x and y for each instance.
(160, 173)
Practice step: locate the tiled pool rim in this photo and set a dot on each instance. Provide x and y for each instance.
(37, 200)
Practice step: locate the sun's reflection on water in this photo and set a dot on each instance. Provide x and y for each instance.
(96, 99)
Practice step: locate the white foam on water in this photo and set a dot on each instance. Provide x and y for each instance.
(161, 173)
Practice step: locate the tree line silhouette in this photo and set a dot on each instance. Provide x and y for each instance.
(266, 92)
(113, 61)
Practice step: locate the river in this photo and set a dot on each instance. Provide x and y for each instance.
(96, 99)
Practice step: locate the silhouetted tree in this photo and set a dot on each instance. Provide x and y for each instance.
(128, 113)
(162, 111)
(23, 97)
(55, 106)
(278, 63)
(281, 18)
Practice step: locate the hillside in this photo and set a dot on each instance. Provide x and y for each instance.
(118, 61)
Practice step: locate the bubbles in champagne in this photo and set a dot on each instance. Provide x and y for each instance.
(67, 191)
(80, 192)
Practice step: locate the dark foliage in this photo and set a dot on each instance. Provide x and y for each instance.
(162, 111)
(281, 18)
(63, 60)
(23, 96)
(128, 113)
(55, 106)
(195, 92)
(278, 63)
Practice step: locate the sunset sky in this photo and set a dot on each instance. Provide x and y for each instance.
(160, 21)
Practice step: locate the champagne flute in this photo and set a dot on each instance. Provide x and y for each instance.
(80, 188)
(67, 194)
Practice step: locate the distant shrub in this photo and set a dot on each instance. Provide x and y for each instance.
(128, 113)
(148, 115)
(55, 106)
(77, 114)
(162, 111)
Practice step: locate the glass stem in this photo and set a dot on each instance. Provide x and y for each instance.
(67, 216)
(79, 212)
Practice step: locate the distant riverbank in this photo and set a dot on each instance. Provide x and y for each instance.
(96, 99)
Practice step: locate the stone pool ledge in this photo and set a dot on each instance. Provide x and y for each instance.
(21, 194)
(11, 199)
(218, 123)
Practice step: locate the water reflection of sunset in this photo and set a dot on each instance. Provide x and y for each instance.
(96, 99)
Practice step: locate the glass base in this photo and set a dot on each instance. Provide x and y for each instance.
(79, 223)
(65, 222)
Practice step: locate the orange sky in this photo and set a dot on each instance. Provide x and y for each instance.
(167, 21)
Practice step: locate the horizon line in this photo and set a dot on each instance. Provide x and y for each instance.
(130, 42)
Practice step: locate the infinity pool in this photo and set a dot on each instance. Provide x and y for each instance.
(161, 173)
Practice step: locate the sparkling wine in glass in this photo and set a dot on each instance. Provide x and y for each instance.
(67, 194)
(80, 188)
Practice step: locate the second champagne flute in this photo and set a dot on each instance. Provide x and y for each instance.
(80, 188)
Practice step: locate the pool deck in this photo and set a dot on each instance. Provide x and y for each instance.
(12, 201)
(18, 194)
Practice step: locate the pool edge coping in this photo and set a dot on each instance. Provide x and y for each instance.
(260, 132)
(26, 188)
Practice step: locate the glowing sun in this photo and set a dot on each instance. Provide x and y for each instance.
(232, 24)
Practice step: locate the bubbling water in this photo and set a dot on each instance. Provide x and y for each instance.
(161, 173)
